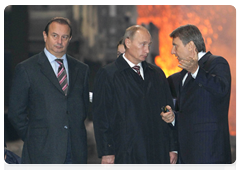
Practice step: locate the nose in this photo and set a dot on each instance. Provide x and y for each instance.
(147, 49)
(59, 40)
(173, 51)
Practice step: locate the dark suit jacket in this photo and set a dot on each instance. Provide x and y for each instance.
(126, 114)
(202, 120)
(43, 116)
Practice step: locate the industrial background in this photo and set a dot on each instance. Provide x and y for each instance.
(96, 32)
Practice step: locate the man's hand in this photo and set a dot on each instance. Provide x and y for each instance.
(190, 63)
(168, 117)
(173, 157)
(108, 159)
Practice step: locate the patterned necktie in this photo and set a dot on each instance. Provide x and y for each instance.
(62, 76)
(137, 69)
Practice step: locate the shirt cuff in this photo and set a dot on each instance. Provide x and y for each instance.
(194, 75)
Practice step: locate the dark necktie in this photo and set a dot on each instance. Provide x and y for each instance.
(189, 76)
(62, 76)
(137, 69)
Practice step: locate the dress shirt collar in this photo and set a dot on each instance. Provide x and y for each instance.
(201, 54)
(130, 63)
(51, 57)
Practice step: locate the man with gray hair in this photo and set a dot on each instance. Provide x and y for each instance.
(203, 93)
(128, 96)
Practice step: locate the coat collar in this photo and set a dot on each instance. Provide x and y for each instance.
(201, 62)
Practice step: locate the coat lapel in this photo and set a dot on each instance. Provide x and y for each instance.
(47, 71)
(190, 88)
(204, 59)
(72, 70)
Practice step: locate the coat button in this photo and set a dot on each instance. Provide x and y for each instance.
(65, 127)
(200, 85)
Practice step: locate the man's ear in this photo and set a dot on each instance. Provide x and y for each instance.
(191, 46)
(128, 42)
(44, 36)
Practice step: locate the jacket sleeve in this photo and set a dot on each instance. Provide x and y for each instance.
(173, 142)
(103, 113)
(173, 130)
(18, 103)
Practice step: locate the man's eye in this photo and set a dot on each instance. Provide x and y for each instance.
(65, 37)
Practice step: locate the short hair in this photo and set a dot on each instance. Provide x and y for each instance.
(187, 33)
(120, 42)
(59, 20)
(130, 32)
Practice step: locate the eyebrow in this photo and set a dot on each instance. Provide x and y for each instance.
(62, 35)
(146, 42)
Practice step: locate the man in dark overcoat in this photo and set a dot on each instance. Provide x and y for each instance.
(127, 105)
(203, 92)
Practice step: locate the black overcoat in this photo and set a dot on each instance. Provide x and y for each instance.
(202, 119)
(126, 114)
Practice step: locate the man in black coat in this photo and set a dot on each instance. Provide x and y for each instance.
(49, 117)
(127, 105)
(203, 93)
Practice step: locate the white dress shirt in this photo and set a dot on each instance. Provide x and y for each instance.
(132, 65)
(194, 75)
(54, 64)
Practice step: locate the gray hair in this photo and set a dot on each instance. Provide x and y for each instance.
(189, 33)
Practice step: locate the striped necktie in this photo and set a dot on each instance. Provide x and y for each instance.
(137, 69)
(62, 76)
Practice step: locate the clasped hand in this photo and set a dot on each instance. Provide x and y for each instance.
(169, 116)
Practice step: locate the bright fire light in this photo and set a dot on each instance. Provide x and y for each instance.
(217, 24)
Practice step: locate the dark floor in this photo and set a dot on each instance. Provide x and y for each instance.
(16, 145)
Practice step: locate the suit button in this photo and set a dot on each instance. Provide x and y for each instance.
(65, 127)
(67, 112)
(200, 85)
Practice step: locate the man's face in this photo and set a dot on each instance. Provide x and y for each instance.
(57, 39)
(180, 50)
(138, 47)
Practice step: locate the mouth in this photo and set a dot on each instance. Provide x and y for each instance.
(58, 47)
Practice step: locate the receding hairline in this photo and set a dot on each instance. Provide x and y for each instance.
(137, 28)
(131, 31)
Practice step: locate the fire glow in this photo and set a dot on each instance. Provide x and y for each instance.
(213, 21)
